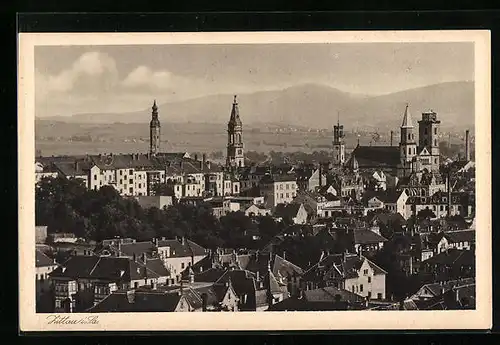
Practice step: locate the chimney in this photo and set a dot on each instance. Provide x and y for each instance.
(203, 160)
(183, 240)
(196, 157)
(320, 176)
(134, 257)
(119, 248)
(155, 241)
(154, 285)
(467, 146)
(204, 298)
(392, 134)
(77, 165)
(284, 255)
(208, 164)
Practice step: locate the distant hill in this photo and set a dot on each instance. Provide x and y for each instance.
(312, 106)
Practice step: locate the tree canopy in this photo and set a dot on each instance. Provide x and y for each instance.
(66, 205)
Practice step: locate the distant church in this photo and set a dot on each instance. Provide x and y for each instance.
(235, 157)
(403, 160)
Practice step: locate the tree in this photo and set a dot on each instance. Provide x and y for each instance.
(425, 214)
(163, 189)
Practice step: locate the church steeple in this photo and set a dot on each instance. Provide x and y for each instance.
(338, 143)
(407, 145)
(235, 156)
(154, 131)
(407, 120)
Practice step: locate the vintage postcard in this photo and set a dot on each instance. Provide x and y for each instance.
(255, 181)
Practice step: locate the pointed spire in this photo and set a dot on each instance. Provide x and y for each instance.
(235, 114)
(407, 121)
(155, 108)
(353, 163)
(338, 118)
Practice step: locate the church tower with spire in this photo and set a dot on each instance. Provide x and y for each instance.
(407, 145)
(154, 131)
(338, 144)
(235, 156)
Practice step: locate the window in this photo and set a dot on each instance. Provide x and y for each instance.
(131, 190)
(281, 195)
(287, 195)
(58, 303)
(379, 296)
(182, 265)
(95, 177)
(365, 272)
(361, 288)
(369, 280)
(131, 172)
(121, 172)
(140, 186)
(409, 136)
(435, 130)
(121, 181)
(369, 294)
(131, 181)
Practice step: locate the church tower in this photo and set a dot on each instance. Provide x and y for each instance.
(154, 132)
(407, 145)
(428, 135)
(235, 156)
(338, 144)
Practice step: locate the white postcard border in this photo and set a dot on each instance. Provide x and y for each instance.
(341, 320)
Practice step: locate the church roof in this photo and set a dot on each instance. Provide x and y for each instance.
(407, 120)
(376, 156)
(235, 114)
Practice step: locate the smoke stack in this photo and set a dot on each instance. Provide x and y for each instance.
(203, 160)
(320, 176)
(467, 146)
(392, 134)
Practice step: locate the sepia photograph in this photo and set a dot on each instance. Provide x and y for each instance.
(326, 180)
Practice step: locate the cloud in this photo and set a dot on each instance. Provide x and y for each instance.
(92, 72)
(143, 76)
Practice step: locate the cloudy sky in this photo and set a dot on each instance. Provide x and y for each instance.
(83, 79)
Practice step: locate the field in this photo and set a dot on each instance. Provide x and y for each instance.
(59, 138)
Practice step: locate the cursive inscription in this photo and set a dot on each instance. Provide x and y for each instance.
(69, 320)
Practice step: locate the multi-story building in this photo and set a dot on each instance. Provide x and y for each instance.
(84, 281)
(278, 189)
(352, 272)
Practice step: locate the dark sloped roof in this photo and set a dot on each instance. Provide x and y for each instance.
(287, 210)
(142, 301)
(110, 268)
(347, 268)
(42, 260)
(211, 275)
(461, 236)
(242, 281)
(178, 249)
(137, 248)
(328, 294)
(370, 156)
(365, 236)
(453, 257)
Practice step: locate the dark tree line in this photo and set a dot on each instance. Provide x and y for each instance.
(66, 205)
